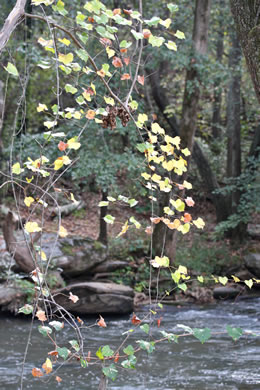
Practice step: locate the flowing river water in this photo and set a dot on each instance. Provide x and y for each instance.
(220, 363)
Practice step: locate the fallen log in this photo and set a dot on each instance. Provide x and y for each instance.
(67, 209)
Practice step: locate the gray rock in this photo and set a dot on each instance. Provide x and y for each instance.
(225, 292)
(109, 266)
(11, 298)
(96, 298)
(75, 256)
(7, 262)
(254, 230)
(252, 262)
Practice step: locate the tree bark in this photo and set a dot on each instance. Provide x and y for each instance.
(192, 82)
(102, 223)
(15, 17)
(247, 19)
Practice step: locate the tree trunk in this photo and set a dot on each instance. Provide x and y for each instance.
(192, 82)
(102, 223)
(216, 115)
(247, 19)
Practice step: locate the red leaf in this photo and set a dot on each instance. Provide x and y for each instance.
(127, 11)
(124, 50)
(116, 357)
(62, 146)
(159, 322)
(53, 353)
(101, 322)
(146, 33)
(140, 80)
(135, 320)
(155, 220)
(58, 379)
(117, 62)
(91, 20)
(105, 41)
(117, 11)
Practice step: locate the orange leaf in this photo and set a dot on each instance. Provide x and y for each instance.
(90, 19)
(135, 320)
(189, 201)
(80, 321)
(101, 73)
(101, 322)
(47, 366)
(62, 146)
(53, 353)
(117, 11)
(149, 230)
(187, 217)
(90, 91)
(36, 372)
(89, 354)
(58, 379)
(117, 62)
(125, 76)
(73, 298)
(116, 357)
(91, 114)
(154, 116)
(140, 80)
(127, 60)
(124, 50)
(180, 186)
(146, 33)
(127, 11)
(159, 322)
(155, 220)
(41, 315)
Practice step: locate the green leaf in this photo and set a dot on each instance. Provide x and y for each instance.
(153, 22)
(200, 279)
(26, 309)
(74, 345)
(125, 44)
(16, 168)
(83, 363)
(83, 55)
(107, 351)
(10, 68)
(171, 45)
(110, 372)
(60, 8)
(109, 219)
(137, 35)
(173, 7)
(146, 346)
(132, 202)
(129, 350)
(44, 330)
(202, 334)
(170, 336)
(145, 328)
(182, 286)
(235, 333)
(130, 362)
(185, 328)
(70, 89)
(57, 325)
(160, 305)
(135, 222)
(63, 352)
(156, 41)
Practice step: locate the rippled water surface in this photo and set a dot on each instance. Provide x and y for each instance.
(220, 363)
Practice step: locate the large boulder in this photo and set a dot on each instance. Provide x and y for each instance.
(252, 262)
(11, 297)
(95, 297)
(226, 292)
(76, 256)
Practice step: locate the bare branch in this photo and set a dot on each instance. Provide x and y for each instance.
(15, 17)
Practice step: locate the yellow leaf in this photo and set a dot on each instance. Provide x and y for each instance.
(63, 232)
(145, 175)
(236, 279)
(43, 256)
(142, 118)
(72, 198)
(109, 101)
(87, 96)
(186, 152)
(28, 201)
(32, 227)
(182, 269)
(156, 128)
(174, 225)
(168, 165)
(64, 41)
(124, 229)
(110, 52)
(94, 88)
(156, 178)
(66, 58)
(66, 160)
(187, 185)
(16, 168)
(167, 149)
(29, 180)
(73, 143)
(166, 23)
(47, 366)
(249, 283)
(58, 163)
(184, 228)
(199, 223)
(42, 107)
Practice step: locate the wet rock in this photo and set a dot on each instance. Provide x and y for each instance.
(95, 297)
(11, 298)
(252, 262)
(225, 292)
(109, 266)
